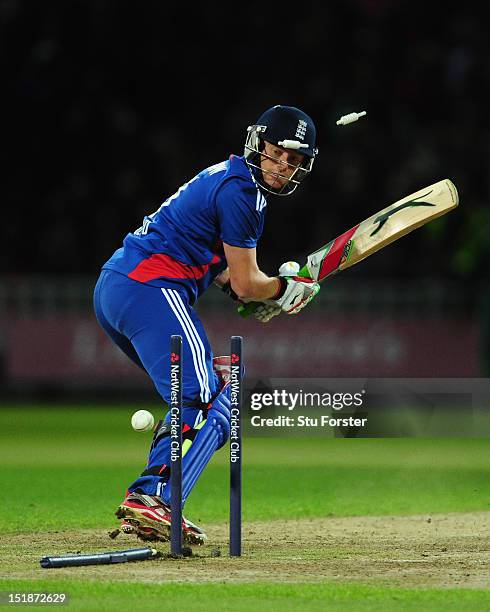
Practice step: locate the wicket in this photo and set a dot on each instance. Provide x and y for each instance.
(176, 370)
(236, 447)
(176, 444)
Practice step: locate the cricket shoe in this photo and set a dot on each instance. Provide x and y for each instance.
(149, 517)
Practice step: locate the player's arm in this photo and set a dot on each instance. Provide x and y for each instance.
(245, 277)
(283, 293)
(240, 229)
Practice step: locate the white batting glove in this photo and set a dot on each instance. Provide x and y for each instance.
(294, 295)
(296, 292)
(265, 312)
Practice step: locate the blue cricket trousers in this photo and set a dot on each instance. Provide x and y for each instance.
(140, 319)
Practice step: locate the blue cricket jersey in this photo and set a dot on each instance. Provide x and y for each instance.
(182, 242)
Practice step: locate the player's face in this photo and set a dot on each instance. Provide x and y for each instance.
(278, 164)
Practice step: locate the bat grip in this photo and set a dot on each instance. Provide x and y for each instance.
(246, 309)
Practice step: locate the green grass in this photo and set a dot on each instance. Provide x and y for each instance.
(53, 459)
(63, 455)
(50, 498)
(87, 595)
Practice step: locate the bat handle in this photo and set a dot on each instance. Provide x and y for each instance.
(246, 309)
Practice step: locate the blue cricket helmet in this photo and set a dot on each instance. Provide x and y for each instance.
(291, 124)
(288, 127)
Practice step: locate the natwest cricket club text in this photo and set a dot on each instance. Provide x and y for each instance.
(235, 413)
(174, 410)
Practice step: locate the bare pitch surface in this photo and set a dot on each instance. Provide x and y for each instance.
(437, 551)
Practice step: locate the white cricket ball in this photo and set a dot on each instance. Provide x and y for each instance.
(142, 420)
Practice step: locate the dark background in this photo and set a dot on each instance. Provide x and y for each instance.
(108, 107)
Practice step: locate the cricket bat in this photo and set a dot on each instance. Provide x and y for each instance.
(375, 233)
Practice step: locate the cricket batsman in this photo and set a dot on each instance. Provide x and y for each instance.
(206, 232)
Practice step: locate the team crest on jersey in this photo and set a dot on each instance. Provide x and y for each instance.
(301, 129)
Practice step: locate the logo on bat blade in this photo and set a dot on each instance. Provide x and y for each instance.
(346, 252)
(174, 357)
(383, 218)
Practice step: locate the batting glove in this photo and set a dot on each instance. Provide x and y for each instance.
(295, 294)
(265, 312)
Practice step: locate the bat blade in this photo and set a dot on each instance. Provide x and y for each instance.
(376, 232)
(381, 229)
